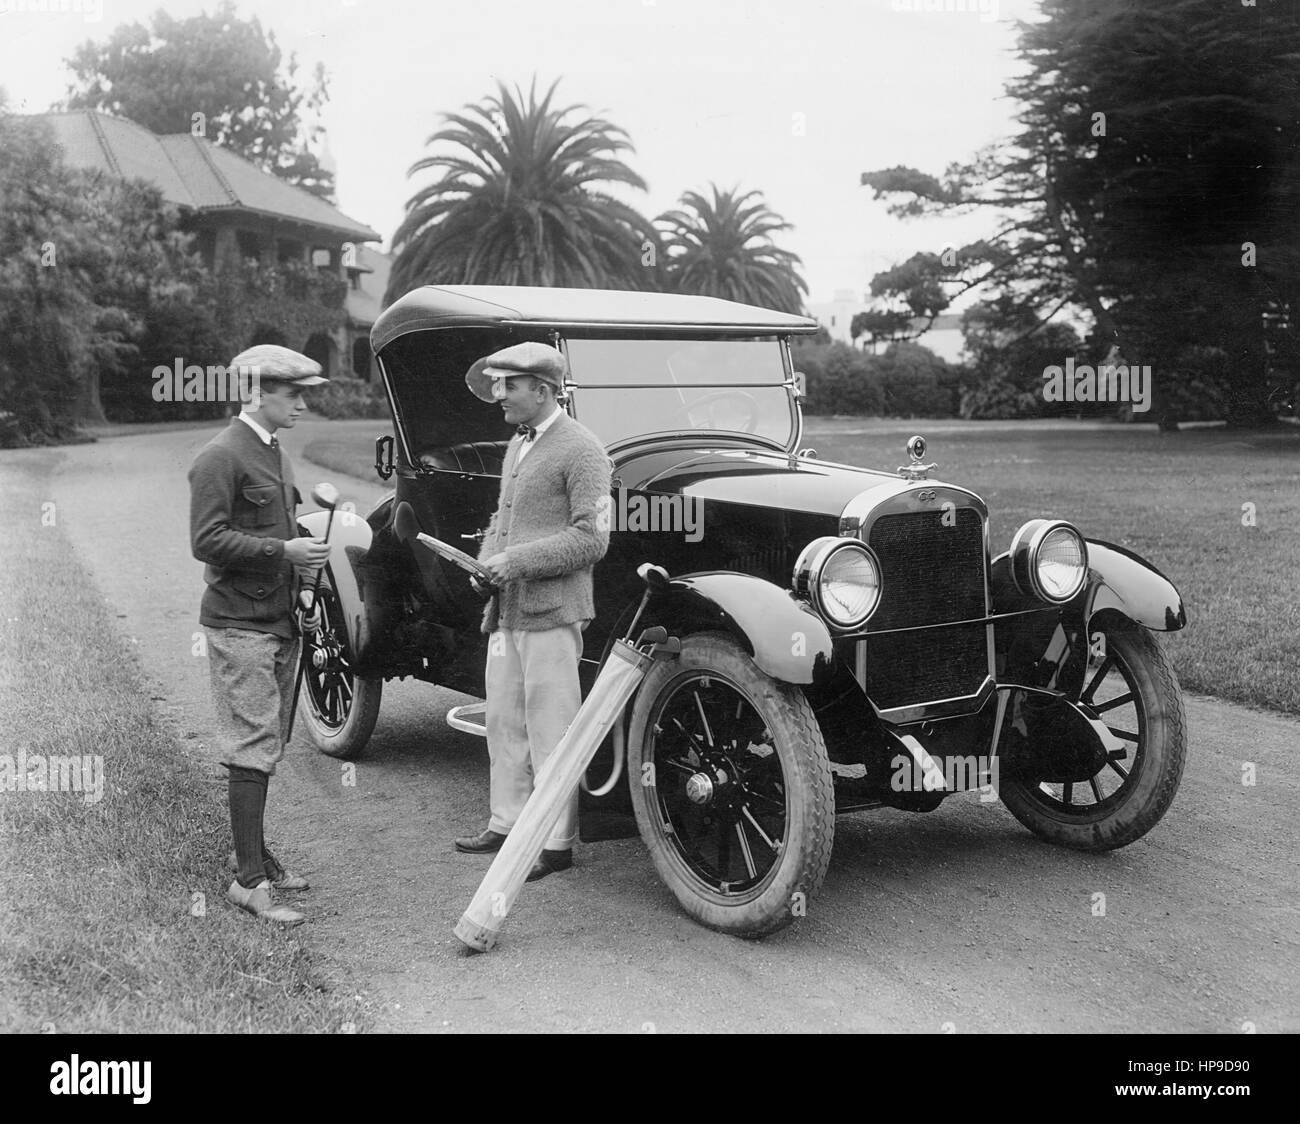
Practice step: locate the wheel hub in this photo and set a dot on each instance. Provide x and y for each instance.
(326, 655)
(699, 788)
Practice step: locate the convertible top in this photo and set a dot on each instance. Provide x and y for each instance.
(443, 306)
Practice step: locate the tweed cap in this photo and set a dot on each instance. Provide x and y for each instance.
(272, 363)
(536, 359)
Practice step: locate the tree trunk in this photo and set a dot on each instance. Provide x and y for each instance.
(90, 408)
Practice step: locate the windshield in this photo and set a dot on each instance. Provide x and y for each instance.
(631, 388)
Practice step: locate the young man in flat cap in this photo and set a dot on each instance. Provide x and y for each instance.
(243, 524)
(550, 527)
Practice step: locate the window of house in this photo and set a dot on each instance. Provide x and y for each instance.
(250, 244)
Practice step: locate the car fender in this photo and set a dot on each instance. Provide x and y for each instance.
(1049, 648)
(783, 636)
(349, 541)
(1119, 579)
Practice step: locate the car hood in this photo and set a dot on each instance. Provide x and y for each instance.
(747, 476)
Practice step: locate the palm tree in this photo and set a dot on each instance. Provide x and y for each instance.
(517, 203)
(723, 248)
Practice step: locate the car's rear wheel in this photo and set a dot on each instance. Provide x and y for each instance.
(337, 707)
(1113, 798)
(731, 787)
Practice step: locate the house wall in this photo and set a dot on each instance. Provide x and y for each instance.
(224, 240)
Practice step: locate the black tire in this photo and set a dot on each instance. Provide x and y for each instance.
(336, 707)
(746, 853)
(1133, 689)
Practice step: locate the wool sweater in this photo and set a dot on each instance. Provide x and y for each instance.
(242, 509)
(552, 524)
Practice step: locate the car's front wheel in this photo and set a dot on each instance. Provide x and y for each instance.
(731, 787)
(337, 707)
(1097, 800)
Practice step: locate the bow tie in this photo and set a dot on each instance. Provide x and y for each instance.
(527, 432)
(275, 442)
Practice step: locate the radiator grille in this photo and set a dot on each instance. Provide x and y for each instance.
(931, 573)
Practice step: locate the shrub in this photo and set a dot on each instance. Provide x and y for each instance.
(839, 380)
(50, 240)
(347, 397)
(908, 380)
(917, 383)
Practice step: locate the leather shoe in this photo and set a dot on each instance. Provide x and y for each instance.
(550, 862)
(257, 901)
(482, 844)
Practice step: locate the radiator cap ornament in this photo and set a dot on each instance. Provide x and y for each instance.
(916, 453)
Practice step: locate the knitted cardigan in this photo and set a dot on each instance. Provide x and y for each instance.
(552, 523)
(242, 509)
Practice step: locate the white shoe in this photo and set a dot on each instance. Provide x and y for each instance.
(257, 901)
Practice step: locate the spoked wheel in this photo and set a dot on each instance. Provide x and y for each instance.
(731, 787)
(1096, 800)
(337, 707)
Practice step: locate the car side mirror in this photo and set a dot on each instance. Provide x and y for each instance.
(384, 456)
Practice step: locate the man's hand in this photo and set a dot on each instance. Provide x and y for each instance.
(308, 621)
(306, 552)
(496, 566)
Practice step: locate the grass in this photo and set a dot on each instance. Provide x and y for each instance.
(1178, 499)
(97, 924)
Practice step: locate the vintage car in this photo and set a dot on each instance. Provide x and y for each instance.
(849, 638)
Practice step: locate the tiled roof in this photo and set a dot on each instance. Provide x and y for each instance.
(192, 171)
(119, 148)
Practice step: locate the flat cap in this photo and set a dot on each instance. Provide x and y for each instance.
(536, 359)
(270, 362)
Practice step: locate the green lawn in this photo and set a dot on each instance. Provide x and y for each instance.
(102, 928)
(1177, 499)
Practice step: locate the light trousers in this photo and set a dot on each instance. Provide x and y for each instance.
(532, 696)
(252, 675)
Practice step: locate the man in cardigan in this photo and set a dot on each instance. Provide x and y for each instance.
(243, 525)
(550, 527)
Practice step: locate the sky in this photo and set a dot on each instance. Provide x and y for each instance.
(795, 98)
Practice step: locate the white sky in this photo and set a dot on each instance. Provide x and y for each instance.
(707, 89)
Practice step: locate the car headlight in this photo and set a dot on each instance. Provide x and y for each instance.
(1049, 560)
(841, 578)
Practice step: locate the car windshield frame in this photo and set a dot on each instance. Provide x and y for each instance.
(581, 385)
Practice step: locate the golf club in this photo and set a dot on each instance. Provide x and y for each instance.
(325, 496)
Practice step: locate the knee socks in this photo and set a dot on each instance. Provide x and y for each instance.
(247, 789)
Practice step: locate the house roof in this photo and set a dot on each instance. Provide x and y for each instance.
(192, 171)
(444, 305)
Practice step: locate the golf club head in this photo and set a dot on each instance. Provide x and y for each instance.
(325, 495)
(656, 577)
(405, 525)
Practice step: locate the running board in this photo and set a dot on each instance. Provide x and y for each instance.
(472, 718)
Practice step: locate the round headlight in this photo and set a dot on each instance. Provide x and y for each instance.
(841, 578)
(1049, 560)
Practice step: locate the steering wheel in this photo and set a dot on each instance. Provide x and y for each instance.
(747, 425)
